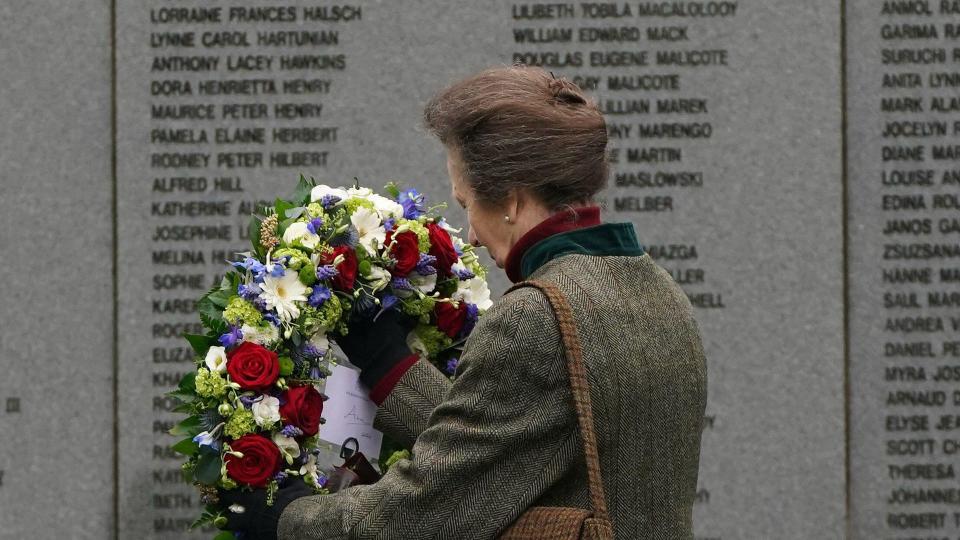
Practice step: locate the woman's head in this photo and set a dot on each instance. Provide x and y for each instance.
(521, 145)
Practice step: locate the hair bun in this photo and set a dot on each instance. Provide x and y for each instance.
(567, 92)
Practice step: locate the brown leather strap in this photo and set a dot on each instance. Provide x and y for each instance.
(580, 387)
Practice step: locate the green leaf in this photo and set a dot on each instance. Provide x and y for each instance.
(208, 468)
(282, 227)
(295, 212)
(225, 535)
(254, 233)
(184, 408)
(281, 206)
(392, 190)
(302, 194)
(186, 447)
(185, 397)
(200, 343)
(221, 297)
(188, 383)
(191, 427)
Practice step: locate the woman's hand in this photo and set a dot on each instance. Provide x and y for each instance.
(376, 346)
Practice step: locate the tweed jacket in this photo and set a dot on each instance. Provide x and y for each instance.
(503, 436)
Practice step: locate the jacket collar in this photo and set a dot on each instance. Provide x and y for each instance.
(561, 222)
(576, 231)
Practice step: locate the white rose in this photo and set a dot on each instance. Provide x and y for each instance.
(266, 412)
(216, 359)
(299, 231)
(288, 447)
(318, 192)
(386, 207)
(474, 291)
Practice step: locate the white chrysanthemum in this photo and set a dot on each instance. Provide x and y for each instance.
(386, 207)
(474, 291)
(266, 412)
(216, 359)
(261, 335)
(371, 232)
(424, 284)
(283, 293)
(299, 231)
(378, 278)
(318, 192)
(288, 447)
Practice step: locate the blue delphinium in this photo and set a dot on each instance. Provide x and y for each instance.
(314, 225)
(452, 365)
(319, 295)
(412, 203)
(231, 338)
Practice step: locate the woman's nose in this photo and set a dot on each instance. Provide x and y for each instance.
(472, 238)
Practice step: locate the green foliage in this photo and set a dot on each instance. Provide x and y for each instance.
(186, 447)
(301, 194)
(208, 467)
(190, 427)
(200, 343)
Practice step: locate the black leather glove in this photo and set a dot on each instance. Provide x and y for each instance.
(259, 521)
(377, 346)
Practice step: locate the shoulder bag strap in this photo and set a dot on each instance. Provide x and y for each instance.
(579, 386)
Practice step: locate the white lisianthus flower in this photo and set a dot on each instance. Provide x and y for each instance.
(371, 231)
(261, 335)
(474, 291)
(216, 359)
(417, 345)
(282, 294)
(299, 231)
(320, 342)
(378, 278)
(266, 412)
(386, 207)
(310, 471)
(318, 192)
(288, 447)
(424, 284)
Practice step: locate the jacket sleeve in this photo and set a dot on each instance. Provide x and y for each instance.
(404, 413)
(505, 433)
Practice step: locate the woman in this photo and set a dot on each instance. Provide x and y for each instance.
(526, 155)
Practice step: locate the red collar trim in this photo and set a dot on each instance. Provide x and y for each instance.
(561, 222)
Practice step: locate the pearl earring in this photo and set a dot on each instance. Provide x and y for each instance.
(506, 218)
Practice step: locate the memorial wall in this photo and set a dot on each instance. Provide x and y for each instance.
(822, 264)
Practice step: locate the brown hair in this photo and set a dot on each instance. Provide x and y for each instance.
(520, 127)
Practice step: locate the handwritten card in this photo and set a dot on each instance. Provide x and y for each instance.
(349, 412)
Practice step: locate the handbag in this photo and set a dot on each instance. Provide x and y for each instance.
(558, 522)
(355, 471)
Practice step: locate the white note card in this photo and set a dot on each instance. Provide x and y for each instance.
(349, 412)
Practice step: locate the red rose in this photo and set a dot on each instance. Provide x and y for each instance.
(450, 319)
(346, 270)
(406, 251)
(261, 460)
(253, 367)
(302, 407)
(441, 247)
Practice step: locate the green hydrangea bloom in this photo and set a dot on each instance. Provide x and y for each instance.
(210, 384)
(324, 318)
(420, 308)
(395, 457)
(423, 235)
(240, 423)
(240, 312)
(298, 259)
(351, 205)
(315, 210)
(433, 339)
